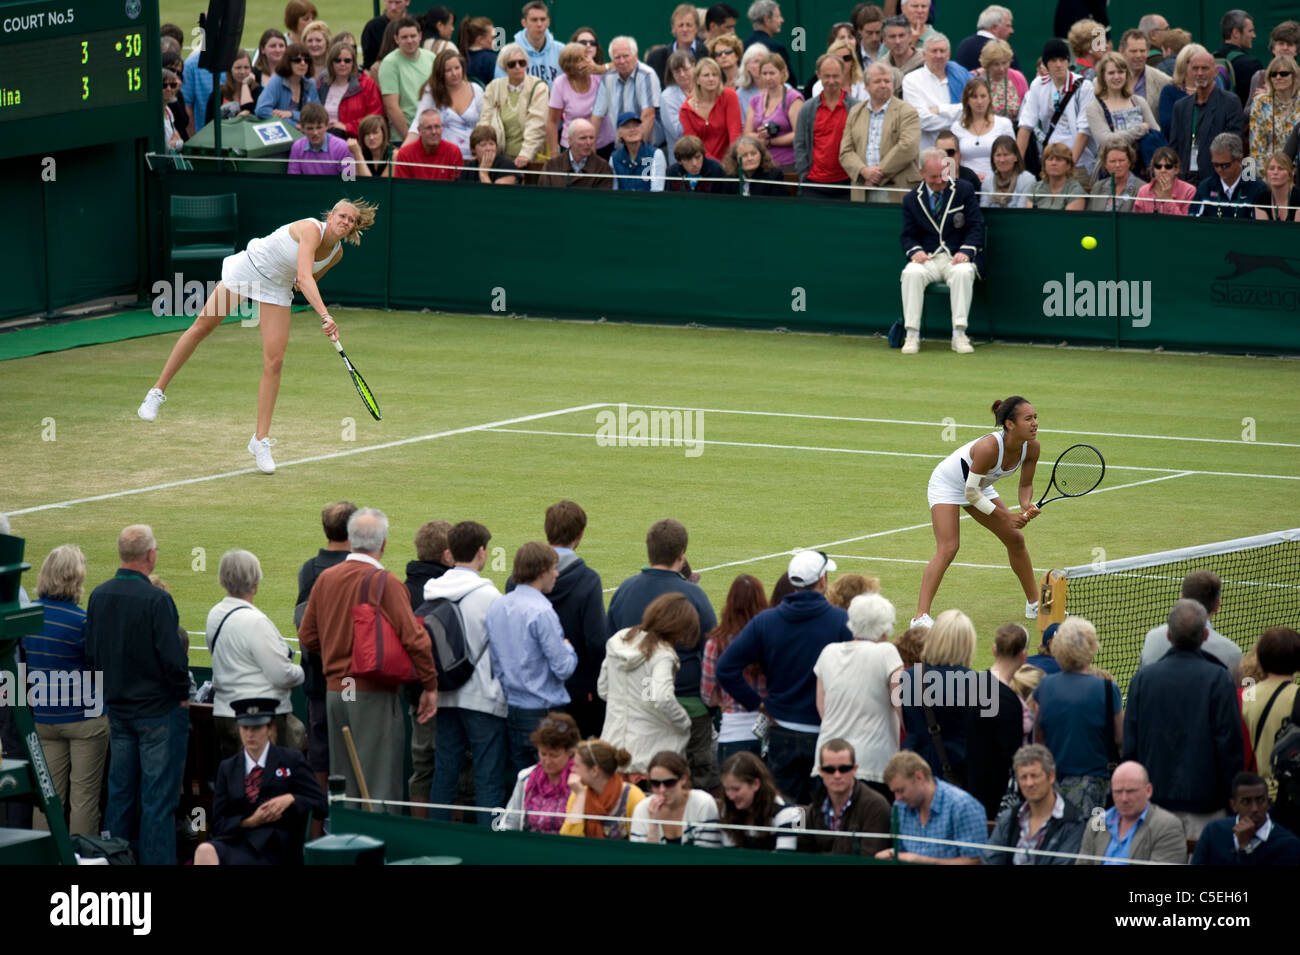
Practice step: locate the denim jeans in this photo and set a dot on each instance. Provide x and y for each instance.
(484, 736)
(790, 756)
(520, 724)
(146, 763)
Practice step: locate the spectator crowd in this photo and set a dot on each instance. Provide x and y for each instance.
(792, 721)
(1143, 119)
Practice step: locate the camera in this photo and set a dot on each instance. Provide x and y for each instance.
(772, 130)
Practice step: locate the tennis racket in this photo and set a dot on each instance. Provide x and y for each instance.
(362, 388)
(1077, 471)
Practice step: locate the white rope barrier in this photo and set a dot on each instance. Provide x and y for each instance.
(349, 163)
(500, 813)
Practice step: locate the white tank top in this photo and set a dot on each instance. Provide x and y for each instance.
(276, 256)
(956, 466)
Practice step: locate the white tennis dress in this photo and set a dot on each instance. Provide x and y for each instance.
(267, 269)
(948, 480)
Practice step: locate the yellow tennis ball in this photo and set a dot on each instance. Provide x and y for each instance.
(1088, 242)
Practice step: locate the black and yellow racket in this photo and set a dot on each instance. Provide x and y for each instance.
(362, 388)
(1077, 471)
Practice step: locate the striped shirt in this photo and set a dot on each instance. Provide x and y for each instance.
(60, 646)
(632, 95)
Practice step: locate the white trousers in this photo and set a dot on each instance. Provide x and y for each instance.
(959, 278)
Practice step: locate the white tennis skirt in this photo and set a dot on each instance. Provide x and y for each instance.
(943, 491)
(240, 276)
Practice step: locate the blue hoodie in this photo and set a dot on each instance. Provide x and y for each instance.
(786, 640)
(544, 63)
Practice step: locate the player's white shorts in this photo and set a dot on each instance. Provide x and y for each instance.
(944, 491)
(240, 276)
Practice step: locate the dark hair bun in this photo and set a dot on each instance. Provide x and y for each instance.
(996, 405)
(622, 757)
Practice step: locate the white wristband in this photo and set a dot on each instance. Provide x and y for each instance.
(975, 494)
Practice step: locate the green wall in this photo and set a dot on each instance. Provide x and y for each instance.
(721, 260)
(75, 215)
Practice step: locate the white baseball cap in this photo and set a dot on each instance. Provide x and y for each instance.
(809, 566)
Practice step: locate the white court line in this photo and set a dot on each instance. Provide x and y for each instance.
(889, 454)
(943, 424)
(487, 426)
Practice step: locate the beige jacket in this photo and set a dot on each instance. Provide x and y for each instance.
(532, 114)
(900, 142)
(1159, 839)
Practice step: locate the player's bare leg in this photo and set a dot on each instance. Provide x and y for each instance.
(219, 305)
(944, 518)
(275, 339)
(1014, 540)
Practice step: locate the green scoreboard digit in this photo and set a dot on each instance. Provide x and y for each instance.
(78, 73)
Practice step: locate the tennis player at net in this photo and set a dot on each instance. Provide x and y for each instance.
(964, 480)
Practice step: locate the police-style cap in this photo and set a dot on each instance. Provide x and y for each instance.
(255, 712)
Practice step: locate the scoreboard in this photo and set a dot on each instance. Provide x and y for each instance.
(77, 73)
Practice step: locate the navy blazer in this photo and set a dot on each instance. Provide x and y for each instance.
(1221, 113)
(925, 232)
(1218, 846)
(287, 771)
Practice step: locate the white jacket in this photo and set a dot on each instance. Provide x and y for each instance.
(643, 715)
(251, 661)
(475, 594)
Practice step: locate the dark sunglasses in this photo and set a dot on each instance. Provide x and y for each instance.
(587, 42)
(1164, 165)
(341, 60)
(847, 59)
(510, 64)
(172, 86)
(301, 59)
(950, 152)
(832, 770)
(1221, 165)
(722, 50)
(1279, 73)
(668, 783)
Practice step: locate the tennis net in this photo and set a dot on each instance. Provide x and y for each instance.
(1125, 598)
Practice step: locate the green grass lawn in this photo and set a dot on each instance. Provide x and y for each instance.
(810, 472)
(261, 14)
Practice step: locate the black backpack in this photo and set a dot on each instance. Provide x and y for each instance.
(1285, 759)
(451, 652)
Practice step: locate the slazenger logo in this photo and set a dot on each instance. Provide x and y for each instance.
(1085, 298)
(1225, 290)
(77, 908)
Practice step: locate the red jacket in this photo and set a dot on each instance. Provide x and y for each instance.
(361, 100)
(720, 130)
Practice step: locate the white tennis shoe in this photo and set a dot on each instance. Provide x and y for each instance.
(961, 344)
(912, 343)
(261, 451)
(1031, 609)
(923, 621)
(152, 402)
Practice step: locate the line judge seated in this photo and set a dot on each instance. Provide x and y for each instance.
(262, 796)
(943, 240)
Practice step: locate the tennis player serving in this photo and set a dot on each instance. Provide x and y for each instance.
(964, 479)
(294, 256)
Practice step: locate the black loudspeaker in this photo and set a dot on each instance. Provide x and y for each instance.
(222, 29)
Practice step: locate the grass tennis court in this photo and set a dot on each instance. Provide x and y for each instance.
(807, 440)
